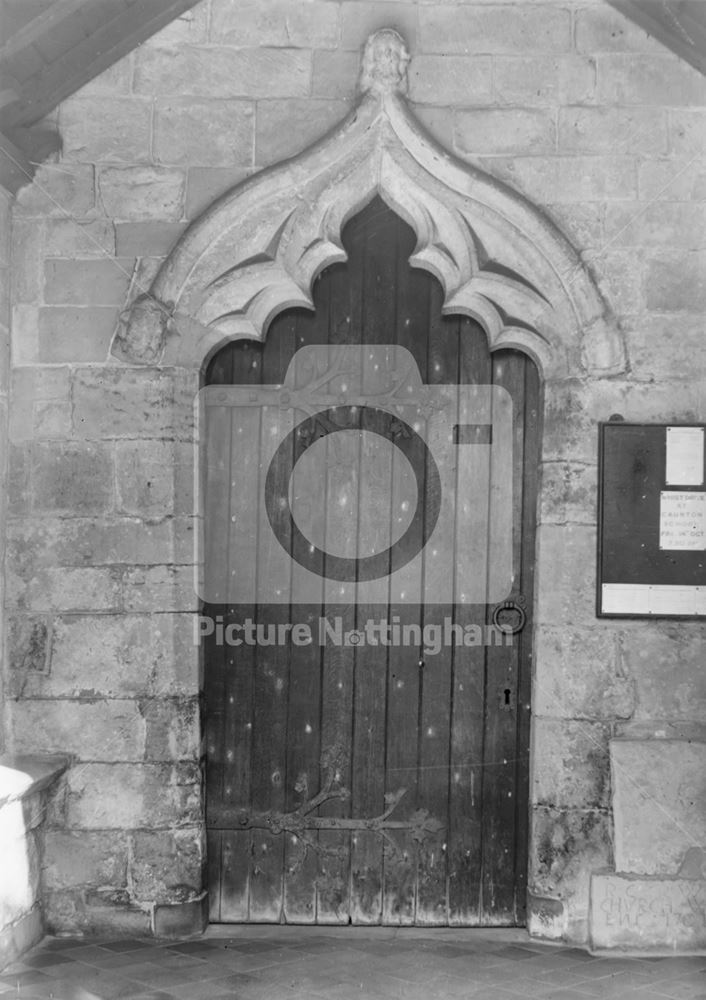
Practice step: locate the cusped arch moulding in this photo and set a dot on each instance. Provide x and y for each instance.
(258, 249)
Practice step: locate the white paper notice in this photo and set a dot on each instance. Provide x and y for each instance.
(682, 520)
(685, 456)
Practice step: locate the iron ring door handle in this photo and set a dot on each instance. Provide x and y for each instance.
(511, 608)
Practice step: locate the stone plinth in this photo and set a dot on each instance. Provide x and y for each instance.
(648, 912)
(659, 803)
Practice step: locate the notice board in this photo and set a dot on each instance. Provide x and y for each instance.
(652, 521)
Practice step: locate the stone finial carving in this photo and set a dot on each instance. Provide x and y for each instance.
(384, 66)
(142, 331)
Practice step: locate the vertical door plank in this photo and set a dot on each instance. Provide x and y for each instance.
(434, 716)
(499, 787)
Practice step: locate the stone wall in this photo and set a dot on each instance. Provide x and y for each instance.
(568, 103)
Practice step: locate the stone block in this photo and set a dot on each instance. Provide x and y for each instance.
(568, 493)
(28, 649)
(205, 184)
(286, 127)
(361, 18)
(662, 224)
(87, 282)
(142, 193)
(528, 80)
(116, 80)
(28, 239)
(676, 283)
(688, 132)
(656, 914)
(104, 655)
(665, 658)
(659, 803)
(100, 128)
(189, 28)
(600, 29)
(228, 72)
(569, 845)
(144, 474)
(180, 920)
(151, 239)
(581, 675)
(108, 914)
(18, 479)
(504, 130)
(90, 730)
(571, 767)
(582, 224)
(24, 335)
(71, 477)
(613, 131)
(125, 402)
(62, 589)
(672, 180)
(172, 728)
(660, 348)
(33, 544)
(141, 795)
(167, 866)
(81, 238)
(566, 582)
(648, 79)
(189, 131)
(58, 189)
(75, 333)
(567, 179)
(88, 857)
(167, 588)
(461, 81)
(620, 276)
(476, 29)
(335, 75)
(278, 23)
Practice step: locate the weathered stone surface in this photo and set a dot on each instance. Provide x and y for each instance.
(20, 936)
(107, 655)
(57, 190)
(360, 19)
(286, 127)
(141, 795)
(72, 911)
(180, 920)
(687, 134)
(566, 592)
(190, 28)
(642, 79)
(335, 75)
(580, 675)
(666, 660)
(66, 589)
(571, 764)
(528, 80)
(677, 283)
(205, 184)
(129, 403)
(278, 23)
(488, 29)
(75, 333)
(600, 29)
(142, 192)
(673, 180)
(659, 803)
(566, 179)
(569, 845)
(87, 282)
(191, 131)
(80, 238)
(30, 387)
(227, 72)
(568, 493)
(618, 131)
(101, 128)
(659, 347)
(648, 913)
(86, 857)
(144, 475)
(167, 866)
(506, 130)
(72, 477)
(662, 224)
(28, 643)
(101, 730)
(172, 728)
(140, 239)
(163, 588)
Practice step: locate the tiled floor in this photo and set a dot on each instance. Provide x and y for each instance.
(271, 963)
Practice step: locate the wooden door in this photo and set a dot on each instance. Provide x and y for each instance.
(354, 782)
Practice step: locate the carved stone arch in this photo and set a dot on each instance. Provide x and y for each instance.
(258, 249)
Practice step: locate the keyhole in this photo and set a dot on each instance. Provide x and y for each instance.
(507, 696)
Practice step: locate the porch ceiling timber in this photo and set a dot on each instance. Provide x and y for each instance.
(678, 24)
(48, 51)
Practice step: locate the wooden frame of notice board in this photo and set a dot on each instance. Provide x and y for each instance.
(651, 521)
